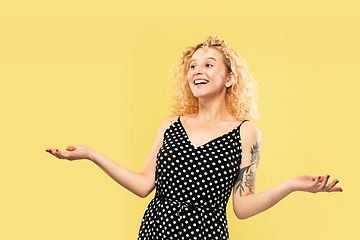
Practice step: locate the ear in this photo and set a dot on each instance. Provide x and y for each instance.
(230, 80)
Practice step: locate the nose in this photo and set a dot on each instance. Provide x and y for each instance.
(199, 70)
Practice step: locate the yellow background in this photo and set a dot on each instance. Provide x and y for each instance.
(98, 73)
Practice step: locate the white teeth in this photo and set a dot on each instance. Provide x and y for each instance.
(200, 81)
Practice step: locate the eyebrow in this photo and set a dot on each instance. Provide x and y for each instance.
(206, 58)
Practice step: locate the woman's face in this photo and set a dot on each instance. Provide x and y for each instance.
(207, 76)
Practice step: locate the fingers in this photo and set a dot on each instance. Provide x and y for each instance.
(58, 154)
(331, 187)
(324, 187)
(316, 181)
(336, 189)
(55, 152)
(324, 182)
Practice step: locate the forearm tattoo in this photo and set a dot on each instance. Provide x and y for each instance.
(250, 181)
(246, 177)
(255, 154)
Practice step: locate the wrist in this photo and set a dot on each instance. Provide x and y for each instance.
(290, 186)
(92, 155)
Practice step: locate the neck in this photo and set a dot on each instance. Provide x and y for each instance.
(213, 110)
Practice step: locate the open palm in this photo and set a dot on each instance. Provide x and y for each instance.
(74, 153)
(314, 184)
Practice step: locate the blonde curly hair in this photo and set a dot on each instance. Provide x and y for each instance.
(241, 97)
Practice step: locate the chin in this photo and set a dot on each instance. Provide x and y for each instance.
(198, 95)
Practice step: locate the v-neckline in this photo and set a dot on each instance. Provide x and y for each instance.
(207, 142)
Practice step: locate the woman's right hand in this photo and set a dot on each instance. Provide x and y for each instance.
(74, 153)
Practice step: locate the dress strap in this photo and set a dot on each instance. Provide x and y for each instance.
(242, 123)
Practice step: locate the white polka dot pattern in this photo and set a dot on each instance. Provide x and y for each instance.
(193, 186)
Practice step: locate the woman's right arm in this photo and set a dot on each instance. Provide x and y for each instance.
(141, 183)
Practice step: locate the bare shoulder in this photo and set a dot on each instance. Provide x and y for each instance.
(185, 118)
(169, 120)
(166, 123)
(249, 132)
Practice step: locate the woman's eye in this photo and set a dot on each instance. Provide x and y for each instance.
(192, 66)
(209, 65)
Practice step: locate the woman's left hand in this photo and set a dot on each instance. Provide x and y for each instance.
(314, 184)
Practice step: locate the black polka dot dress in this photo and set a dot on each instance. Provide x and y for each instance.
(193, 186)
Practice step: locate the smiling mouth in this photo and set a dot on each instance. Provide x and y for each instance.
(200, 81)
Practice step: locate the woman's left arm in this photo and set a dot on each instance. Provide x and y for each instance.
(245, 202)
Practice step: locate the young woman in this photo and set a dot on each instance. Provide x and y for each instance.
(202, 152)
